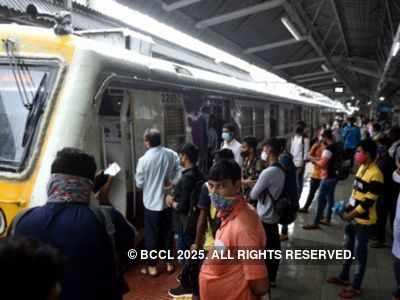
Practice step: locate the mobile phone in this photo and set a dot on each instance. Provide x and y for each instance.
(113, 169)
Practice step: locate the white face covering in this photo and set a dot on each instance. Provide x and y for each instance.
(264, 156)
(396, 177)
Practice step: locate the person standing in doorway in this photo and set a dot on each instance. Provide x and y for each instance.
(228, 135)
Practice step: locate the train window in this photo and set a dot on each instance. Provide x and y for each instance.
(174, 126)
(286, 120)
(292, 120)
(260, 124)
(246, 121)
(111, 102)
(273, 120)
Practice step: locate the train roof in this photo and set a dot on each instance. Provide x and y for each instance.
(154, 69)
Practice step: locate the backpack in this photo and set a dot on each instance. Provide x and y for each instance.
(341, 164)
(286, 206)
(190, 221)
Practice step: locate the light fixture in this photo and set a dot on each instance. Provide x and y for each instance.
(382, 98)
(339, 89)
(369, 103)
(352, 97)
(325, 68)
(289, 26)
(334, 79)
(396, 48)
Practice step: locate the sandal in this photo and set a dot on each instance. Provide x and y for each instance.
(170, 268)
(337, 281)
(349, 293)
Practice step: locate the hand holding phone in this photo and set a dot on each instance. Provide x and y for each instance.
(113, 169)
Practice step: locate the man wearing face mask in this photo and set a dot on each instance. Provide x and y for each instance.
(228, 135)
(252, 164)
(240, 229)
(270, 186)
(360, 214)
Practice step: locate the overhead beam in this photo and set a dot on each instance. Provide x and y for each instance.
(321, 4)
(322, 84)
(251, 10)
(316, 78)
(270, 46)
(178, 5)
(363, 71)
(335, 11)
(310, 74)
(299, 63)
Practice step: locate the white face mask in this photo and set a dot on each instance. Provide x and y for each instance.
(264, 156)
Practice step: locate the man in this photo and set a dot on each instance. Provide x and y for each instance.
(269, 188)
(360, 214)
(68, 223)
(240, 229)
(328, 182)
(252, 164)
(184, 191)
(351, 137)
(155, 171)
(228, 135)
(28, 257)
(299, 148)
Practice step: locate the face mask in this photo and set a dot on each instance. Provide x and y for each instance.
(264, 156)
(360, 158)
(227, 136)
(223, 205)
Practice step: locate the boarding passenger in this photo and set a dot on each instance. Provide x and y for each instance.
(240, 229)
(95, 259)
(185, 196)
(268, 188)
(252, 165)
(328, 182)
(228, 135)
(155, 171)
(315, 180)
(299, 148)
(27, 257)
(360, 215)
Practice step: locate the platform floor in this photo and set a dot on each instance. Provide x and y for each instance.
(297, 282)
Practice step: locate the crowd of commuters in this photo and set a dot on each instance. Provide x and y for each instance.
(251, 188)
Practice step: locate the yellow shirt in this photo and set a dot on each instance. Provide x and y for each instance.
(209, 238)
(367, 187)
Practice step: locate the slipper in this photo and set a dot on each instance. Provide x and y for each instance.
(349, 293)
(337, 281)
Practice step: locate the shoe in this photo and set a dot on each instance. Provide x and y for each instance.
(338, 281)
(143, 271)
(170, 268)
(152, 271)
(311, 227)
(377, 245)
(180, 291)
(283, 237)
(303, 210)
(325, 222)
(349, 293)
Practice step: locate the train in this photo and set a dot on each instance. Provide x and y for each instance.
(63, 90)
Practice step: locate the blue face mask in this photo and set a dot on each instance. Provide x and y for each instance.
(227, 136)
(225, 206)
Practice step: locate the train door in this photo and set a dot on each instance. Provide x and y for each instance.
(274, 120)
(116, 132)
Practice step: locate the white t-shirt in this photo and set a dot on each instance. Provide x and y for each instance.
(234, 145)
(299, 149)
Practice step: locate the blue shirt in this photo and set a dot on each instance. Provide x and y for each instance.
(74, 230)
(351, 136)
(154, 170)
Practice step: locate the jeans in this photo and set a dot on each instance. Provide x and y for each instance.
(326, 196)
(183, 240)
(396, 268)
(157, 231)
(356, 240)
(273, 243)
(314, 185)
(299, 179)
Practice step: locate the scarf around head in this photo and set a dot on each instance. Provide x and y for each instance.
(63, 188)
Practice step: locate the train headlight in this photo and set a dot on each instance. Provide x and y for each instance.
(3, 222)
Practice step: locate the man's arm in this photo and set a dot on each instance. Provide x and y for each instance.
(139, 176)
(261, 184)
(201, 227)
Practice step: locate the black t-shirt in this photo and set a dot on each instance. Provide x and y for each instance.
(331, 162)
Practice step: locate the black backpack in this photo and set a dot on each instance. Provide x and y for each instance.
(285, 206)
(341, 164)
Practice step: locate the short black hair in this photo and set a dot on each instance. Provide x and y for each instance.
(229, 126)
(72, 161)
(275, 145)
(224, 154)
(251, 141)
(153, 137)
(327, 133)
(225, 169)
(300, 130)
(283, 142)
(191, 151)
(27, 256)
(301, 123)
(370, 147)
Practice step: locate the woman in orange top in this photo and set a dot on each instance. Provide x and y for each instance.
(315, 152)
